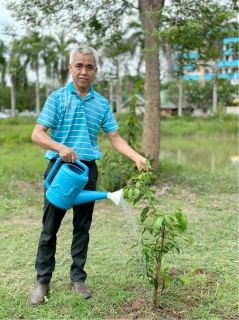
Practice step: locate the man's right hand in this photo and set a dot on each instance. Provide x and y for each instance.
(67, 154)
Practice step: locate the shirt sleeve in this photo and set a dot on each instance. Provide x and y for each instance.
(109, 123)
(50, 113)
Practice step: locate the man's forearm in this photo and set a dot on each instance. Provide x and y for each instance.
(122, 147)
(45, 142)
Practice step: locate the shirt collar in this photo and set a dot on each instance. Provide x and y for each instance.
(90, 95)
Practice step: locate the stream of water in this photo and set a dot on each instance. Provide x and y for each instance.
(126, 206)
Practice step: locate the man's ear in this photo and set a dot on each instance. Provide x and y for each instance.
(70, 67)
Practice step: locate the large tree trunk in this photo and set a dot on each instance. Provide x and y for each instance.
(151, 125)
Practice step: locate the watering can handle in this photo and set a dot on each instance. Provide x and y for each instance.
(48, 178)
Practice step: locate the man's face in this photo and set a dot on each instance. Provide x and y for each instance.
(83, 71)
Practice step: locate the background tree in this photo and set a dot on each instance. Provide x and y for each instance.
(30, 47)
(151, 127)
(3, 67)
(17, 72)
(3, 62)
(223, 26)
(188, 28)
(196, 95)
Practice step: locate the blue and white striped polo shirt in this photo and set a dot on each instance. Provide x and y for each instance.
(76, 123)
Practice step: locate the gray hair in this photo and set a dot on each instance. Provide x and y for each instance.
(83, 49)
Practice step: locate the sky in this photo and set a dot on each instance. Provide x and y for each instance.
(5, 19)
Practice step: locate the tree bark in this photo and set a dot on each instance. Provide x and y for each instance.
(151, 124)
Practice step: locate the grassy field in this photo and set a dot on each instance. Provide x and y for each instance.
(208, 199)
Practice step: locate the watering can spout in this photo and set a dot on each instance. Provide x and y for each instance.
(116, 196)
(89, 196)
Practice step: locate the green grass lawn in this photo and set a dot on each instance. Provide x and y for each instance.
(210, 203)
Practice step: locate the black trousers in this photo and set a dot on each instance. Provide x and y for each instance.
(52, 217)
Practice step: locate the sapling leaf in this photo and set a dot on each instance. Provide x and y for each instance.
(157, 222)
(144, 211)
(172, 217)
(155, 283)
(168, 221)
(138, 184)
(138, 198)
(130, 195)
(184, 222)
(178, 213)
(136, 192)
(179, 228)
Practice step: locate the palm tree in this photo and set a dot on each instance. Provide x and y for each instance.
(30, 48)
(62, 56)
(55, 55)
(3, 62)
(17, 72)
(49, 59)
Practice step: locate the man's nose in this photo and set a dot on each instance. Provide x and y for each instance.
(83, 70)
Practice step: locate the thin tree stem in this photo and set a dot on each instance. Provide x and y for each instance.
(158, 269)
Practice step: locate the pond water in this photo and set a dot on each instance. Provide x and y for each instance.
(213, 154)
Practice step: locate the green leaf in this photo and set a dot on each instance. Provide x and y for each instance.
(168, 221)
(138, 184)
(178, 211)
(179, 228)
(157, 222)
(184, 222)
(130, 195)
(137, 199)
(188, 238)
(144, 211)
(155, 283)
(136, 192)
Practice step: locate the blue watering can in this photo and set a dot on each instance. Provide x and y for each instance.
(66, 189)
